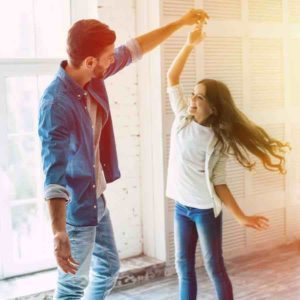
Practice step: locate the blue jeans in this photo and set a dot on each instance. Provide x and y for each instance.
(95, 249)
(189, 224)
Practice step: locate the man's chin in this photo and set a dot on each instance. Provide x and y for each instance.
(98, 76)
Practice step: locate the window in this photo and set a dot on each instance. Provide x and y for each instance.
(33, 35)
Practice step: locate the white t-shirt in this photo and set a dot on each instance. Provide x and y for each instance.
(95, 113)
(186, 182)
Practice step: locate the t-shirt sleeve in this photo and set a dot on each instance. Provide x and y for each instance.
(177, 99)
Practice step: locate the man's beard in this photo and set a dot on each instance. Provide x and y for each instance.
(99, 73)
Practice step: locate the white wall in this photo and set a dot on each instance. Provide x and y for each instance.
(123, 196)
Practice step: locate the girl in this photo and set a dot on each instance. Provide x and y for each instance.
(206, 130)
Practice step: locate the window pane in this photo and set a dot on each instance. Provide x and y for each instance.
(16, 28)
(34, 28)
(52, 22)
(23, 219)
(23, 167)
(30, 227)
(23, 177)
(22, 103)
(23, 163)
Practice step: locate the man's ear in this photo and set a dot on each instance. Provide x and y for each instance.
(89, 62)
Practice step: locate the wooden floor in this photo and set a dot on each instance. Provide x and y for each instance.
(269, 275)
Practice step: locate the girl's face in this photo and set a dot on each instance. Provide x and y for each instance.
(198, 104)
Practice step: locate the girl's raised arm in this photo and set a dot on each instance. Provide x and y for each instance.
(175, 70)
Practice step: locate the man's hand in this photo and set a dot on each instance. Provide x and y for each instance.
(62, 251)
(152, 39)
(194, 16)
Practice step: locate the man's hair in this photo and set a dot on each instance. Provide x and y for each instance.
(88, 38)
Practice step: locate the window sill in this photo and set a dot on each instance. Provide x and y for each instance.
(135, 270)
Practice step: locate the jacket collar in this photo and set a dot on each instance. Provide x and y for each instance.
(71, 85)
(77, 91)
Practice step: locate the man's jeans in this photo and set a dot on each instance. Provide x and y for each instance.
(91, 246)
(189, 224)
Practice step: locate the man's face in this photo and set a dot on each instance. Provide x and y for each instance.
(97, 66)
(105, 59)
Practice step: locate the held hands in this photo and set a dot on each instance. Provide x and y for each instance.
(62, 251)
(197, 17)
(194, 16)
(257, 222)
(196, 35)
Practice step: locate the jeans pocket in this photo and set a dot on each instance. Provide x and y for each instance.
(178, 205)
(75, 232)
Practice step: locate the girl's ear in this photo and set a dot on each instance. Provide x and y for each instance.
(214, 111)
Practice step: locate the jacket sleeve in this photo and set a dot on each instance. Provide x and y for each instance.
(54, 136)
(219, 170)
(124, 55)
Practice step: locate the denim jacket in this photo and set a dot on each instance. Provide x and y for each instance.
(66, 136)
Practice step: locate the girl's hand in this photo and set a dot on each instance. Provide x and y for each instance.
(256, 222)
(196, 35)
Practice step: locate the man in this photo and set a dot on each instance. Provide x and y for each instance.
(79, 153)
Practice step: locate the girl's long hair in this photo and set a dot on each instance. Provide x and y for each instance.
(238, 133)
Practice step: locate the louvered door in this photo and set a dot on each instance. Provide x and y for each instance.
(252, 46)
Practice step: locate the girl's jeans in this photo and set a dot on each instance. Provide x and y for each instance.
(189, 224)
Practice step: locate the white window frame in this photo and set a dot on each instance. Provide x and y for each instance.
(20, 67)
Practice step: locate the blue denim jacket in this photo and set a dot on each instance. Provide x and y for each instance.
(66, 136)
